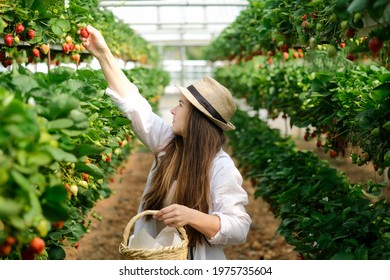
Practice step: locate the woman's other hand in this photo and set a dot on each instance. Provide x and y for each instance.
(176, 215)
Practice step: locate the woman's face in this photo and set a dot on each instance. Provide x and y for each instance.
(180, 114)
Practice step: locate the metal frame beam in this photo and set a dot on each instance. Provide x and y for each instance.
(192, 3)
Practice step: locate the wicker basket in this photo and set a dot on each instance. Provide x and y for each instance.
(178, 252)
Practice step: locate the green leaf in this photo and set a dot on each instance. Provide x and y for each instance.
(56, 253)
(72, 133)
(122, 121)
(54, 203)
(22, 181)
(39, 159)
(64, 24)
(77, 116)
(343, 256)
(60, 26)
(88, 150)
(357, 6)
(56, 235)
(59, 124)
(61, 105)
(61, 155)
(105, 113)
(90, 169)
(381, 92)
(9, 207)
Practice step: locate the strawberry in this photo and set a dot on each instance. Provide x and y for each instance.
(350, 33)
(28, 255)
(351, 57)
(68, 39)
(76, 58)
(71, 47)
(10, 240)
(6, 62)
(84, 32)
(19, 28)
(332, 153)
(5, 249)
(45, 48)
(31, 34)
(8, 39)
(36, 52)
(375, 45)
(37, 245)
(65, 48)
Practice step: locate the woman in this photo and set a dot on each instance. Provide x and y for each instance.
(193, 182)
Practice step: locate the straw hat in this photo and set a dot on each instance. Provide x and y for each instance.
(213, 100)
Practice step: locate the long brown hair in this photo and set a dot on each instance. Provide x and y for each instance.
(188, 161)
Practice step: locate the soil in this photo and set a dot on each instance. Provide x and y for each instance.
(263, 243)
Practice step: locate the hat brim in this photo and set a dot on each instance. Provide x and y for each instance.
(192, 99)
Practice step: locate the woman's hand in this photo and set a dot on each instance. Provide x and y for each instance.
(95, 42)
(176, 215)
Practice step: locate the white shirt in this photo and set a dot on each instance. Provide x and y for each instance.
(227, 195)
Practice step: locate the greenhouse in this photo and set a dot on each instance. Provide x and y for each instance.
(259, 130)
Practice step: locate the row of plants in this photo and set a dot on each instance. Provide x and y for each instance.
(344, 108)
(35, 31)
(322, 215)
(268, 27)
(61, 142)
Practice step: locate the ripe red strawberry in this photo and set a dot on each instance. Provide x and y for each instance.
(350, 33)
(5, 249)
(65, 48)
(36, 52)
(351, 57)
(375, 45)
(8, 39)
(31, 34)
(85, 177)
(332, 153)
(84, 32)
(37, 245)
(28, 255)
(6, 62)
(19, 28)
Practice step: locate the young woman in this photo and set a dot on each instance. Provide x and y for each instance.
(193, 182)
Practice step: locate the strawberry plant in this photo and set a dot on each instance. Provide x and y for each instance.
(30, 24)
(322, 215)
(276, 26)
(58, 131)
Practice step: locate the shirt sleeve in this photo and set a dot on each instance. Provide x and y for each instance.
(228, 203)
(147, 126)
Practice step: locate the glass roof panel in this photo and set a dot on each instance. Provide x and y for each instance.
(168, 22)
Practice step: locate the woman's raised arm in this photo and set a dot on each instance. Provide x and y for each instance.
(97, 46)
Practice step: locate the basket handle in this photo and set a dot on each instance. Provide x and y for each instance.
(126, 232)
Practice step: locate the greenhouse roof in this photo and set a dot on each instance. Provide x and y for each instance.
(177, 23)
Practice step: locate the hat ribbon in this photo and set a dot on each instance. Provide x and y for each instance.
(205, 103)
